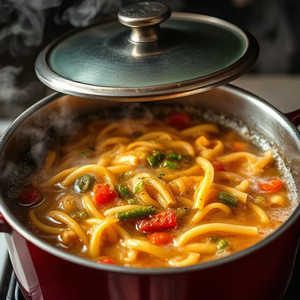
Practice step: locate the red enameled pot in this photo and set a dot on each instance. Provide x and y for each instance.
(262, 271)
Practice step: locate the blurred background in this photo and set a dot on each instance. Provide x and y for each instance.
(28, 26)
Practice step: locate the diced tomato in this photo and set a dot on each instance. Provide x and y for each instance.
(239, 146)
(218, 166)
(160, 238)
(29, 196)
(106, 260)
(161, 221)
(103, 193)
(272, 185)
(180, 120)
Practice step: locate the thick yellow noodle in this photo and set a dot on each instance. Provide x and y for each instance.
(215, 227)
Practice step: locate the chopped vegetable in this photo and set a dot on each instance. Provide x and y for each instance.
(270, 186)
(228, 199)
(218, 166)
(136, 213)
(103, 193)
(139, 187)
(162, 221)
(106, 260)
(180, 120)
(153, 161)
(81, 215)
(155, 158)
(123, 191)
(222, 244)
(176, 156)
(160, 238)
(239, 146)
(259, 199)
(160, 156)
(83, 183)
(170, 164)
(29, 196)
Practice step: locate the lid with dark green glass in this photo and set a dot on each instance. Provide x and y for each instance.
(148, 54)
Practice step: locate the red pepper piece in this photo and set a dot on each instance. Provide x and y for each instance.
(161, 221)
(103, 193)
(180, 120)
(106, 260)
(29, 196)
(218, 166)
(272, 185)
(160, 238)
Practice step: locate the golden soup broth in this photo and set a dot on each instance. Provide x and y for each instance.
(155, 193)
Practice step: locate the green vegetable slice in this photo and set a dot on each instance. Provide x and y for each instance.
(222, 244)
(176, 156)
(139, 187)
(228, 199)
(153, 161)
(123, 191)
(170, 164)
(83, 183)
(136, 213)
(160, 156)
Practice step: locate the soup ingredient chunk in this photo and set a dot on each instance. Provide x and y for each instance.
(103, 193)
(162, 221)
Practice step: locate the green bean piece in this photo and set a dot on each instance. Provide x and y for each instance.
(176, 156)
(83, 183)
(153, 161)
(160, 156)
(123, 191)
(136, 134)
(222, 244)
(170, 164)
(228, 199)
(136, 213)
(139, 187)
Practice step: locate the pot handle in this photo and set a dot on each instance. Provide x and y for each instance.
(294, 117)
(3, 225)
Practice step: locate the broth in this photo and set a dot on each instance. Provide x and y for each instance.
(150, 193)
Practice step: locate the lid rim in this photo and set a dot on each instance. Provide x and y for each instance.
(149, 93)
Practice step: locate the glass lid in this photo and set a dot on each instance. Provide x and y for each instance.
(148, 54)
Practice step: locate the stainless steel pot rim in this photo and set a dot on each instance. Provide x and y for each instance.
(16, 225)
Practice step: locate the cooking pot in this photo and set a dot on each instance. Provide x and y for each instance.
(262, 271)
(74, 65)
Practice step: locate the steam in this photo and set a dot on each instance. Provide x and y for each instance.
(81, 14)
(9, 90)
(22, 31)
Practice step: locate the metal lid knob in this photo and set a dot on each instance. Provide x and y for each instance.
(144, 19)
